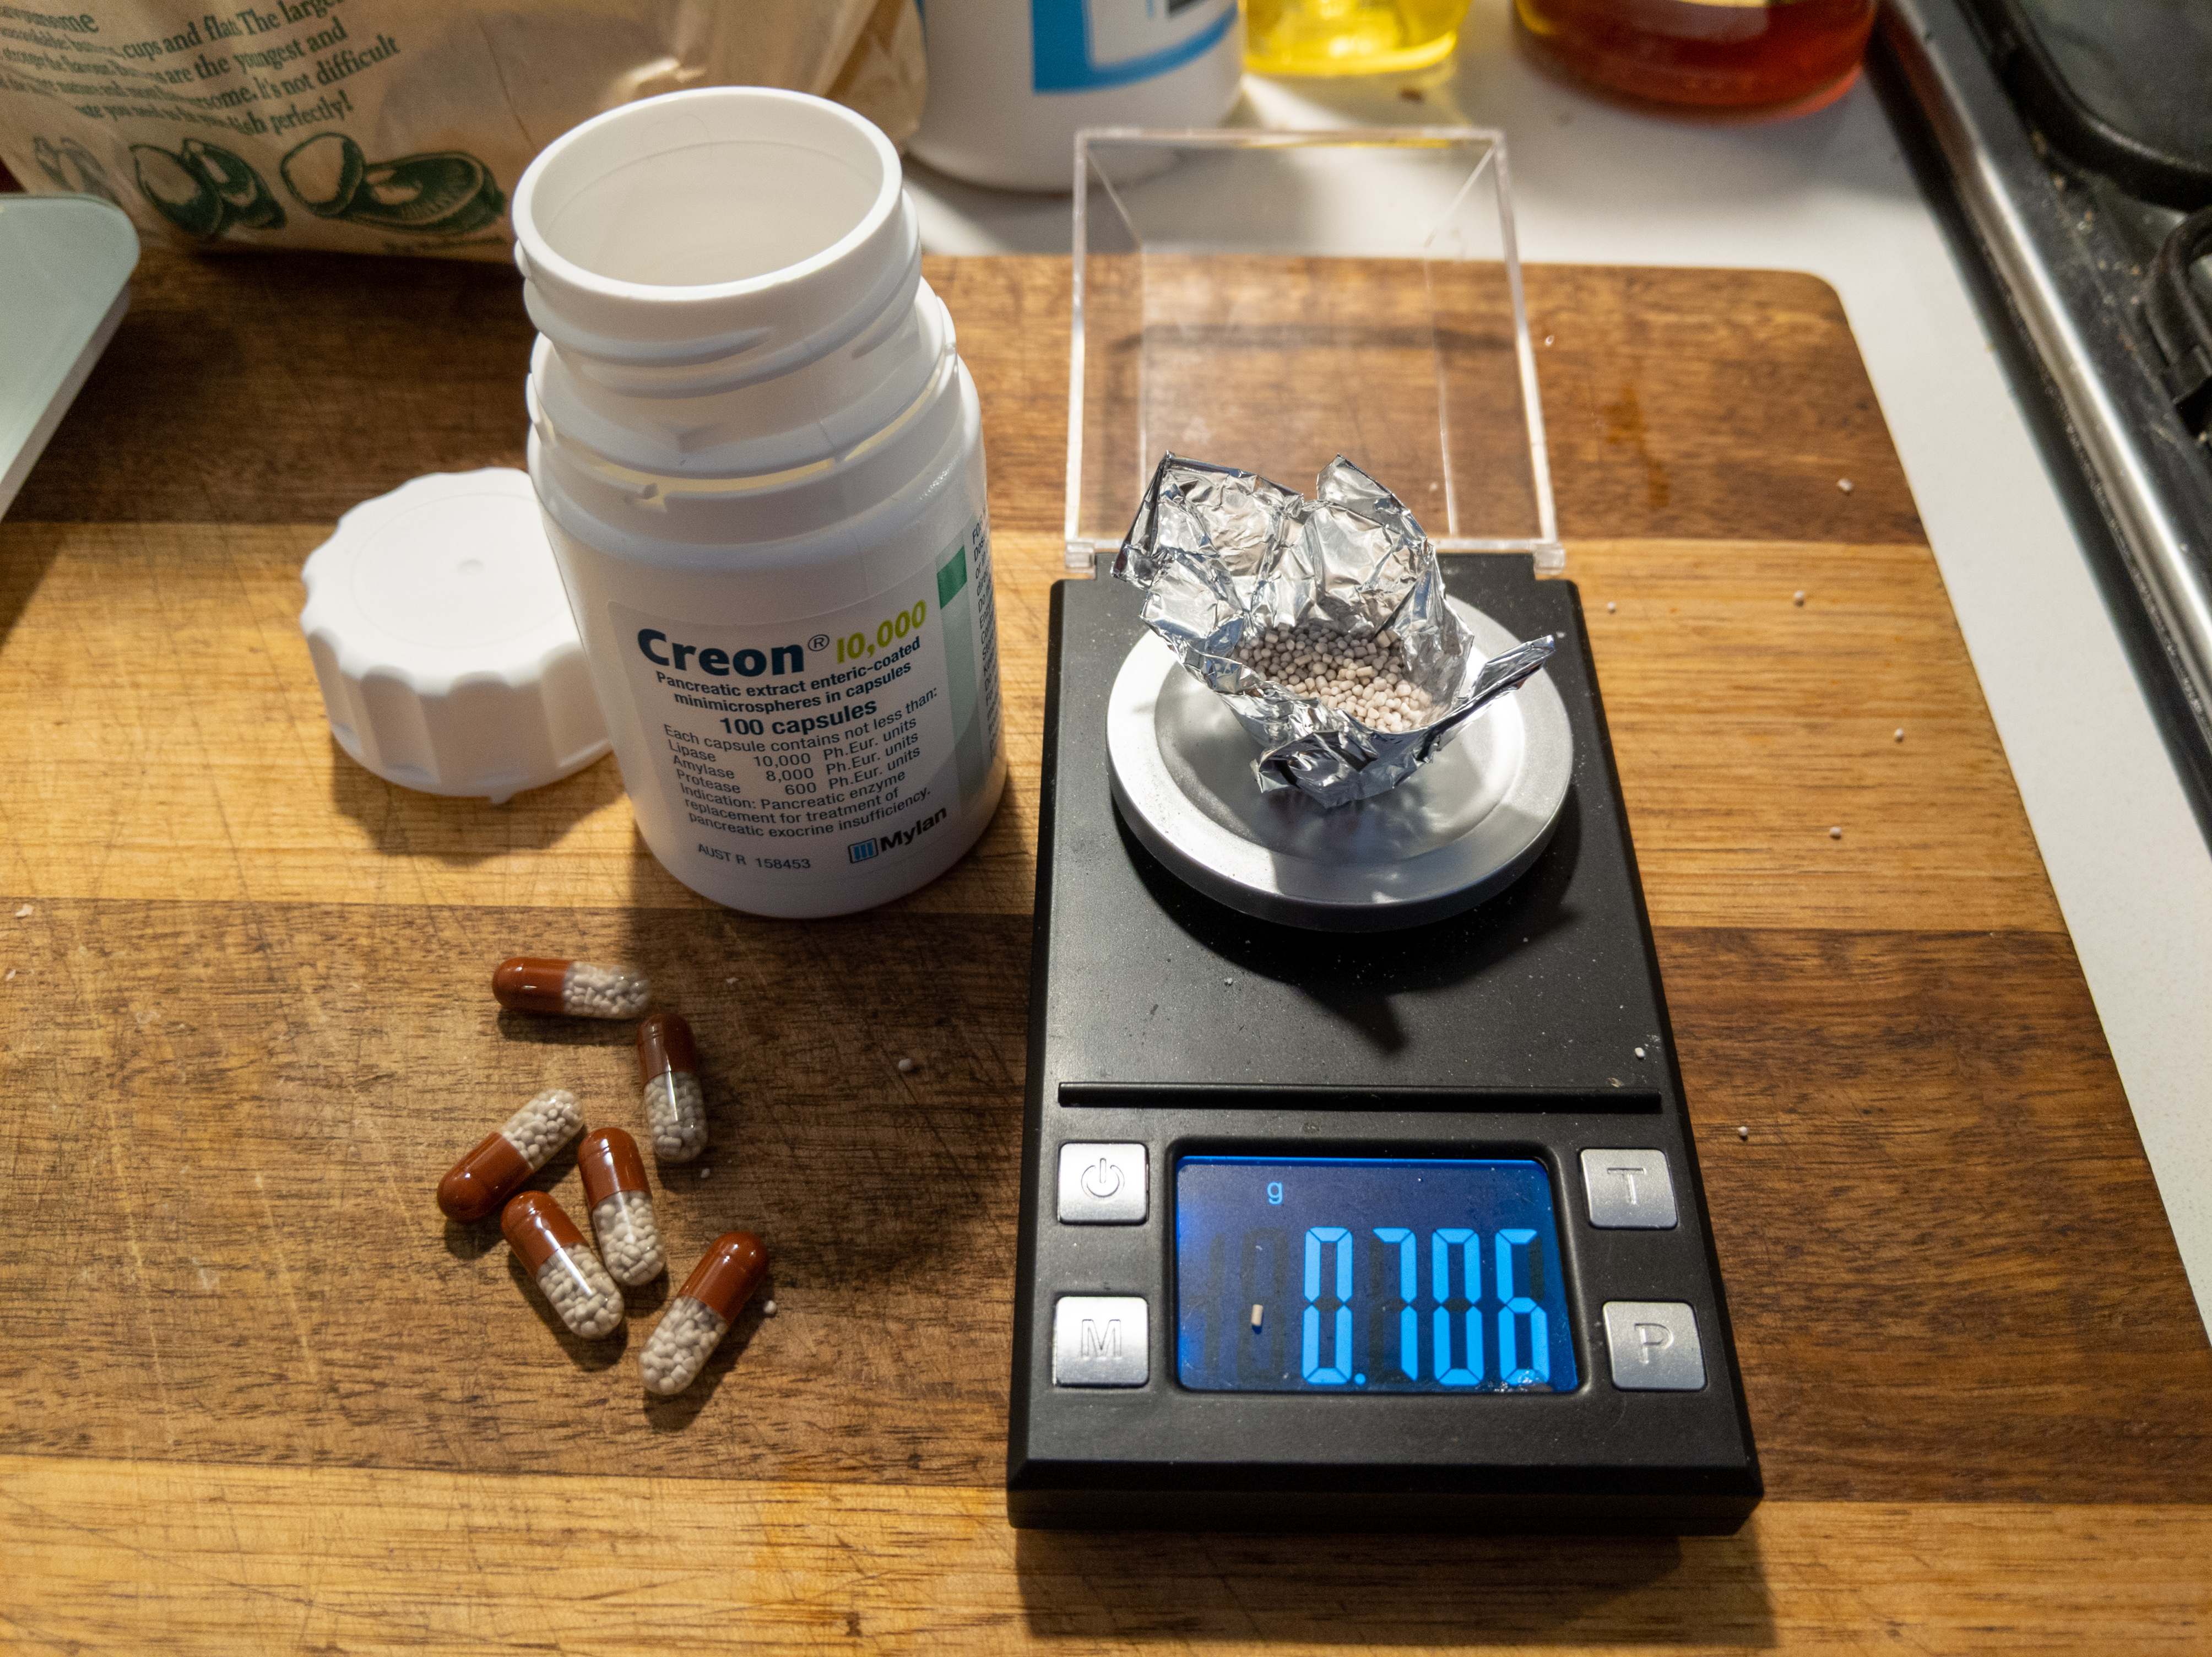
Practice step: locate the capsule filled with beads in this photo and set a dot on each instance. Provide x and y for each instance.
(581, 989)
(702, 1312)
(621, 1205)
(476, 1184)
(675, 1104)
(567, 1274)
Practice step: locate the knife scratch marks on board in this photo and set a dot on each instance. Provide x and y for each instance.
(118, 1143)
(275, 1235)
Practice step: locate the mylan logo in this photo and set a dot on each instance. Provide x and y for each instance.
(905, 836)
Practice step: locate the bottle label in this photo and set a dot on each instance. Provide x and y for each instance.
(816, 744)
(1081, 46)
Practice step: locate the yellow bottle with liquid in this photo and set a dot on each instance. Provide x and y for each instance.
(1349, 37)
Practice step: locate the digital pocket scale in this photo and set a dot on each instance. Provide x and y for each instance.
(1332, 1228)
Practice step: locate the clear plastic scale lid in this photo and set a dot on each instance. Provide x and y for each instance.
(1275, 299)
(443, 640)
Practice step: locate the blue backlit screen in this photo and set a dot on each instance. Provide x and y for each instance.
(1332, 1274)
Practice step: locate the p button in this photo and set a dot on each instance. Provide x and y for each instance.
(1655, 1346)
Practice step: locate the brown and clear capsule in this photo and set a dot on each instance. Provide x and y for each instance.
(567, 1273)
(476, 1184)
(675, 1104)
(583, 990)
(702, 1312)
(622, 1207)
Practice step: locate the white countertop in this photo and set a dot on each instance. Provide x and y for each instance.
(1832, 194)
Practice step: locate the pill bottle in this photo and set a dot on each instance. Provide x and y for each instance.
(760, 460)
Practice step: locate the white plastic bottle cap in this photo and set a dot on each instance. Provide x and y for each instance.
(443, 641)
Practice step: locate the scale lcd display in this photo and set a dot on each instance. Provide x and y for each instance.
(1333, 1274)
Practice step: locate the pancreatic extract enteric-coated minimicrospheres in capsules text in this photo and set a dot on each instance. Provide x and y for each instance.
(761, 463)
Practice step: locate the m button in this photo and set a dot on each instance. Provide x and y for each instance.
(1099, 1340)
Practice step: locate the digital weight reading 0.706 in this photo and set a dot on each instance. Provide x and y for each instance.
(1369, 1275)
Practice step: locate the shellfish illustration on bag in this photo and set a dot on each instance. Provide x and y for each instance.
(72, 166)
(445, 192)
(204, 189)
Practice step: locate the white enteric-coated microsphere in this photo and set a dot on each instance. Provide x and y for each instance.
(581, 1291)
(681, 1344)
(628, 1238)
(1367, 678)
(546, 1122)
(675, 1113)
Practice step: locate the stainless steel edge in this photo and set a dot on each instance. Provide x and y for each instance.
(2155, 483)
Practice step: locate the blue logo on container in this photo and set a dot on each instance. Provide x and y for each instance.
(862, 852)
(1063, 55)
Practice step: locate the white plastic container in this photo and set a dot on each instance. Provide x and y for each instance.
(761, 463)
(1011, 81)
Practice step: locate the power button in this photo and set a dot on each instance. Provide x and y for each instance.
(1102, 1185)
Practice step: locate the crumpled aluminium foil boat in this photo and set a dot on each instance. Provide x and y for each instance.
(1224, 554)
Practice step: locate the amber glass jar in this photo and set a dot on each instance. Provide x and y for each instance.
(1720, 53)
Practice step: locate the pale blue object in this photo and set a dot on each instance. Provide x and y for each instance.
(65, 264)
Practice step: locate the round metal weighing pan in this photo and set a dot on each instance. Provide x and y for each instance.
(1461, 828)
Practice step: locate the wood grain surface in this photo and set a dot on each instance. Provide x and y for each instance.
(111, 1551)
(261, 1396)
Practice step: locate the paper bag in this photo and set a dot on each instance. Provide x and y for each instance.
(390, 126)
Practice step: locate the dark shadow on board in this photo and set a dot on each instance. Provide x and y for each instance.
(29, 558)
(467, 831)
(1468, 1592)
(674, 1415)
(589, 1356)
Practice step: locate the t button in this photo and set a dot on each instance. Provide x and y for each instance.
(1654, 1345)
(1102, 1185)
(1629, 1190)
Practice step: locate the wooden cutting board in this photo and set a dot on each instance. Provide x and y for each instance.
(260, 1395)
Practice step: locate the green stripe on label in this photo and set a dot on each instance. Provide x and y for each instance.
(952, 577)
(968, 746)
